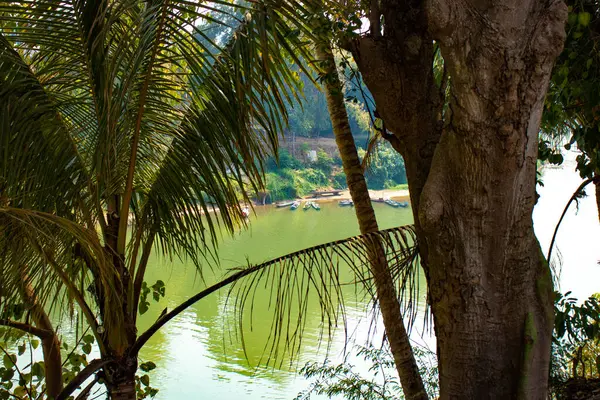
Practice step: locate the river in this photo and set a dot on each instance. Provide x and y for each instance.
(199, 355)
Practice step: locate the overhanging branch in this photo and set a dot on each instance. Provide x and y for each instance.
(41, 333)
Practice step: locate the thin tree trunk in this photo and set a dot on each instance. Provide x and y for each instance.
(597, 185)
(50, 342)
(406, 366)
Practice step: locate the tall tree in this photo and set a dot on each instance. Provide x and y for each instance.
(387, 297)
(472, 179)
(117, 124)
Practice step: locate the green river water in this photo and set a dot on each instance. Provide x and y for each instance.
(199, 354)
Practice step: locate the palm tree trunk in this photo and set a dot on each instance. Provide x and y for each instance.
(406, 365)
(123, 391)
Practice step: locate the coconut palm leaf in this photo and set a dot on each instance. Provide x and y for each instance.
(316, 270)
(126, 111)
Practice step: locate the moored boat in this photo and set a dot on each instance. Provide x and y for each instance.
(295, 205)
(284, 204)
(315, 206)
(392, 203)
(346, 203)
(307, 205)
(246, 212)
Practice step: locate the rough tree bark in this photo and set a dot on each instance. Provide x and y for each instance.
(490, 287)
(398, 339)
(396, 65)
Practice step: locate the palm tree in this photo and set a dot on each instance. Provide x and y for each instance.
(120, 119)
(398, 339)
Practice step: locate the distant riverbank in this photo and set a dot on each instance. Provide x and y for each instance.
(394, 194)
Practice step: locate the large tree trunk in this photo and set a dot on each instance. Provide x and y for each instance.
(397, 67)
(406, 366)
(491, 288)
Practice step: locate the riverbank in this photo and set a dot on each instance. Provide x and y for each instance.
(394, 194)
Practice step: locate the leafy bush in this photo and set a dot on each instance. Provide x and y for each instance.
(380, 383)
(324, 162)
(280, 187)
(338, 179)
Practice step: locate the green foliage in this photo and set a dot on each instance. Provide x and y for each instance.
(29, 382)
(572, 105)
(386, 168)
(379, 384)
(281, 187)
(306, 180)
(285, 161)
(324, 162)
(142, 383)
(290, 178)
(338, 180)
(158, 290)
(576, 339)
(312, 118)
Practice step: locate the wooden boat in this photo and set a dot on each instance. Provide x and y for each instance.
(246, 212)
(346, 203)
(379, 200)
(315, 206)
(284, 204)
(295, 205)
(307, 205)
(392, 203)
(403, 204)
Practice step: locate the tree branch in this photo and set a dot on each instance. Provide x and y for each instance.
(162, 320)
(82, 376)
(573, 197)
(41, 333)
(139, 275)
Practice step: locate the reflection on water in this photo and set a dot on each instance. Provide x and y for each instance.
(200, 353)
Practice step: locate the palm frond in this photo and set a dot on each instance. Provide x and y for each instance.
(63, 261)
(322, 269)
(322, 272)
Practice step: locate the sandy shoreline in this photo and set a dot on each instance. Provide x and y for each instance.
(399, 195)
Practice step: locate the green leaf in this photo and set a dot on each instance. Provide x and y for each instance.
(143, 307)
(37, 369)
(145, 379)
(87, 348)
(20, 392)
(584, 18)
(147, 366)
(9, 360)
(35, 343)
(88, 339)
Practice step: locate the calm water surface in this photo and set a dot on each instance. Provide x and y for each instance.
(199, 354)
